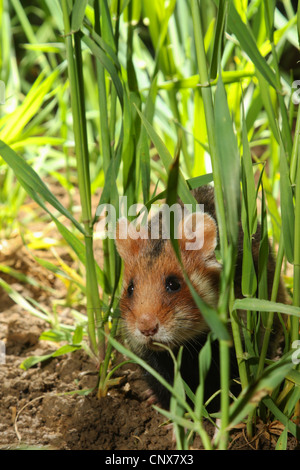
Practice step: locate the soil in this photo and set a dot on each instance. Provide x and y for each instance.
(44, 406)
(38, 411)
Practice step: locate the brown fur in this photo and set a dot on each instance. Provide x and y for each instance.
(174, 316)
(151, 313)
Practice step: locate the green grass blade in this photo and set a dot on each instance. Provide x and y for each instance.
(198, 181)
(22, 302)
(127, 353)
(21, 116)
(210, 315)
(205, 357)
(287, 206)
(292, 427)
(183, 190)
(268, 105)
(271, 377)
(261, 305)
(107, 64)
(249, 216)
(229, 160)
(296, 287)
(31, 181)
(248, 44)
(218, 39)
(78, 12)
(298, 22)
(143, 154)
(106, 48)
(106, 24)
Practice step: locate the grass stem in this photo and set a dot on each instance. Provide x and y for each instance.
(219, 198)
(73, 50)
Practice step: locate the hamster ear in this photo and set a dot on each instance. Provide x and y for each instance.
(198, 231)
(129, 240)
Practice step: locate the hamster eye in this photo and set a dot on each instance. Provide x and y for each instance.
(130, 289)
(172, 284)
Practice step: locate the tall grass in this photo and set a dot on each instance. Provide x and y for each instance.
(122, 88)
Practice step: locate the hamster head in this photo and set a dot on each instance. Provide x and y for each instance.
(156, 303)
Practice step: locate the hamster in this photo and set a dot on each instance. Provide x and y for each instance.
(157, 306)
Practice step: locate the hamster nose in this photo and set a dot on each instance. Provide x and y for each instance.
(149, 330)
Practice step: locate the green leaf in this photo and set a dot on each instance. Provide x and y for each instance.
(107, 49)
(78, 12)
(249, 46)
(67, 348)
(56, 13)
(172, 198)
(143, 154)
(70, 238)
(106, 24)
(175, 407)
(298, 22)
(229, 160)
(282, 440)
(194, 81)
(294, 376)
(183, 190)
(18, 299)
(58, 271)
(128, 150)
(248, 400)
(56, 336)
(261, 305)
(32, 183)
(292, 427)
(126, 352)
(198, 181)
(218, 39)
(210, 315)
(78, 248)
(287, 206)
(37, 142)
(78, 335)
(33, 360)
(269, 18)
(268, 105)
(263, 253)
(249, 217)
(23, 277)
(30, 107)
(184, 422)
(54, 47)
(193, 183)
(205, 357)
(107, 64)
